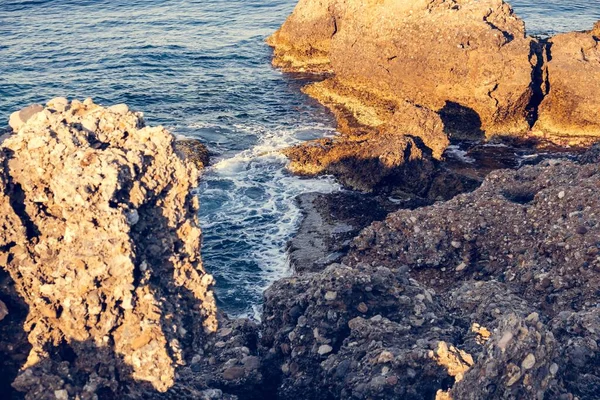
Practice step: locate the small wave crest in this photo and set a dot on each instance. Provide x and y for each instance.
(248, 214)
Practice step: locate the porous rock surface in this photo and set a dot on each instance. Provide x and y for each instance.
(100, 237)
(570, 108)
(376, 142)
(490, 295)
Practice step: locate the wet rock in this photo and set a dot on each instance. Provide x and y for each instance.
(100, 235)
(194, 151)
(329, 222)
(570, 109)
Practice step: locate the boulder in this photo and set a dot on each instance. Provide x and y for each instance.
(570, 110)
(463, 56)
(194, 151)
(100, 236)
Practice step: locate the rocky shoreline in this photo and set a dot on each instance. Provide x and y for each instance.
(435, 280)
(414, 76)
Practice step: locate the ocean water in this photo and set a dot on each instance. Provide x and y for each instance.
(201, 68)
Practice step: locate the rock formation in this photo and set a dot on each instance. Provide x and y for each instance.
(100, 236)
(490, 295)
(403, 77)
(570, 108)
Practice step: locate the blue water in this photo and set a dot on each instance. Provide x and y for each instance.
(201, 68)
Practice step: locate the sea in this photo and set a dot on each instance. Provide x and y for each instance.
(202, 69)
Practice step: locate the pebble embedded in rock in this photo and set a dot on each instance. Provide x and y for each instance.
(211, 394)
(330, 296)
(385, 357)
(251, 363)
(505, 340)
(461, 267)
(233, 373)
(528, 362)
(325, 349)
(3, 310)
(362, 307)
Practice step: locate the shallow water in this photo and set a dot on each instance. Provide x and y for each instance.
(201, 68)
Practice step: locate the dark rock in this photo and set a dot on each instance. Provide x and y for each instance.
(194, 151)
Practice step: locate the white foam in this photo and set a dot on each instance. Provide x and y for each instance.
(459, 154)
(256, 195)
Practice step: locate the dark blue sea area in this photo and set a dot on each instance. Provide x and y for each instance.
(201, 68)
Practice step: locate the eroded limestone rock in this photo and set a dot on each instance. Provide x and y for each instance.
(434, 53)
(570, 110)
(100, 235)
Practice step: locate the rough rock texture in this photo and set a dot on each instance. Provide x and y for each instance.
(363, 332)
(570, 108)
(378, 138)
(490, 295)
(476, 54)
(536, 227)
(404, 77)
(100, 236)
(194, 151)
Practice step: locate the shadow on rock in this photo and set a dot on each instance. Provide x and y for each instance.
(461, 122)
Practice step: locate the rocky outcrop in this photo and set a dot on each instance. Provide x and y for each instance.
(403, 77)
(100, 237)
(474, 54)
(406, 76)
(490, 295)
(378, 138)
(194, 151)
(570, 109)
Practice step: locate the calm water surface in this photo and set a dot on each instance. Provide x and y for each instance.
(201, 68)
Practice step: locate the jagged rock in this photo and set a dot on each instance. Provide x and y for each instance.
(100, 235)
(571, 110)
(477, 57)
(516, 364)
(317, 343)
(193, 150)
(303, 43)
(361, 164)
(534, 229)
(396, 103)
(377, 139)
